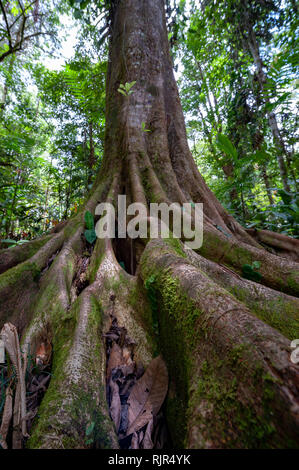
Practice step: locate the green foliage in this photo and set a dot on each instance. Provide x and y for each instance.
(90, 233)
(89, 432)
(51, 140)
(226, 146)
(126, 88)
(28, 26)
(143, 127)
(52, 121)
(251, 271)
(228, 112)
(90, 236)
(89, 222)
(282, 216)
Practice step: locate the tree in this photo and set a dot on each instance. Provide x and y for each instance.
(22, 23)
(27, 205)
(253, 22)
(77, 94)
(24, 138)
(219, 85)
(225, 338)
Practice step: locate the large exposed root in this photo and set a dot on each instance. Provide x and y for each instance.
(285, 246)
(76, 396)
(275, 308)
(277, 273)
(17, 254)
(231, 372)
(20, 284)
(247, 361)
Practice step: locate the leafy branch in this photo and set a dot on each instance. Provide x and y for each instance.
(126, 88)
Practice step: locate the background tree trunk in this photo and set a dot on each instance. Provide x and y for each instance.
(262, 79)
(232, 383)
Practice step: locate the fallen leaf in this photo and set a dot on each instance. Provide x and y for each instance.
(115, 359)
(43, 353)
(111, 335)
(126, 354)
(147, 395)
(119, 357)
(127, 369)
(147, 442)
(124, 420)
(115, 407)
(141, 434)
(135, 441)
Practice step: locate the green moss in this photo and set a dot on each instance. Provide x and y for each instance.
(235, 256)
(230, 400)
(176, 244)
(230, 418)
(177, 317)
(95, 316)
(146, 184)
(82, 412)
(79, 403)
(176, 420)
(86, 415)
(95, 261)
(63, 326)
(230, 254)
(278, 313)
(24, 271)
(26, 251)
(292, 282)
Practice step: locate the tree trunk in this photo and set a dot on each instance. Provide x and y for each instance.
(225, 339)
(262, 79)
(265, 177)
(9, 223)
(91, 157)
(228, 167)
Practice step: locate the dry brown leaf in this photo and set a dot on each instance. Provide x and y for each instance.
(141, 434)
(118, 357)
(147, 442)
(43, 353)
(135, 441)
(115, 359)
(126, 354)
(115, 407)
(147, 395)
(6, 417)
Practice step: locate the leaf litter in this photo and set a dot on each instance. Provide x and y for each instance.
(135, 396)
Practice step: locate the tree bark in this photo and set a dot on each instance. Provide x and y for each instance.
(262, 79)
(225, 339)
(265, 177)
